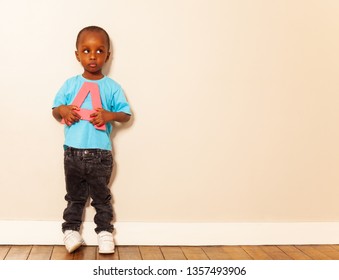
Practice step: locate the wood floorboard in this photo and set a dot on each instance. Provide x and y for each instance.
(236, 253)
(129, 253)
(4, 251)
(60, 253)
(335, 246)
(86, 253)
(151, 253)
(172, 253)
(216, 253)
(194, 253)
(257, 252)
(276, 253)
(18, 253)
(41, 253)
(281, 252)
(329, 251)
(294, 253)
(313, 253)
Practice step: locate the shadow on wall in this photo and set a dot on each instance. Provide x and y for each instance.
(116, 127)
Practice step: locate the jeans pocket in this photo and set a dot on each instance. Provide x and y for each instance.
(67, 157)
(107, 160)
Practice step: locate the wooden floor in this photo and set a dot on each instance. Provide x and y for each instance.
(302, 252)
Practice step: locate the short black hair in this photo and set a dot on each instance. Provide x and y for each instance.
(93, 28)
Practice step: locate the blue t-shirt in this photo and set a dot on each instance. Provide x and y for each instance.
(83, 135)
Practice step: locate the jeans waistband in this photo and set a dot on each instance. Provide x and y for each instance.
(86, 152)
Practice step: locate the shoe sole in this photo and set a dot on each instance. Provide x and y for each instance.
(74, 247)
(106, 252)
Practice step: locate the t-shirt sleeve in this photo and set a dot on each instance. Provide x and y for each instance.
(119, 102)
(61, 96)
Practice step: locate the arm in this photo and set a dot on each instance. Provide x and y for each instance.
(101, 117)
(66, 112)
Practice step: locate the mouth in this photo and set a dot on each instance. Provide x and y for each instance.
(92, 65)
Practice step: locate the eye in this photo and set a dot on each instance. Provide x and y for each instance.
(100, 51)
(86, 51)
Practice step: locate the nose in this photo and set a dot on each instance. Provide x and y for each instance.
(92, 55)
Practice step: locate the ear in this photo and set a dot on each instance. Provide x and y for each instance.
(77, 55)
(108, 56)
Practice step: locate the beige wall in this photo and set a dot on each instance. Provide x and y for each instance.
(235, 108)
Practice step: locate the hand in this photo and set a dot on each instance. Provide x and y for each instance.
(100, 117)
(69, 114)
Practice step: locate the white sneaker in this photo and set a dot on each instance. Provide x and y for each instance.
(72, 240)
(106, 242)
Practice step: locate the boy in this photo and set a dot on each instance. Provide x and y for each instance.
(88, 159)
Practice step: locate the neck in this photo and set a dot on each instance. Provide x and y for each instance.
(93, 76)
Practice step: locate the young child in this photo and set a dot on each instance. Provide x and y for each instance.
(88, 158)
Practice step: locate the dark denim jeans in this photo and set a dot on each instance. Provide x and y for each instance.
(87, 173)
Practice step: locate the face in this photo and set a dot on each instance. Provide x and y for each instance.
(92, 52)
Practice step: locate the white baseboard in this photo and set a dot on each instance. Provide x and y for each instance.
(137, 233)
